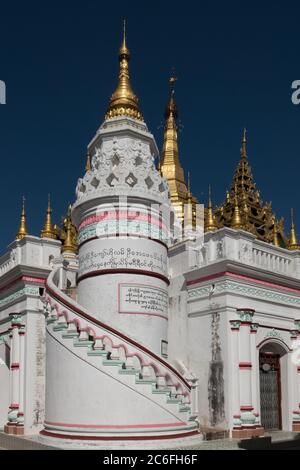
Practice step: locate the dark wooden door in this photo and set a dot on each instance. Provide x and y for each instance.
(270, 390)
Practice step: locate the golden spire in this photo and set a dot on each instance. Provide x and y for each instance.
(236, 221)
(188, 219)
(170, 146)
(88, 162)
(170, 166)
(293, 244)
(190, 197)
(68, 244)
(123, 101)
(48, 230)
(244, 144)
(275, 233)
(22, 232)
(210, 223)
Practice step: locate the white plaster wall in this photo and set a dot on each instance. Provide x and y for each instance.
(34, 372)
(78, 393)
(100, 295)
(4, 382)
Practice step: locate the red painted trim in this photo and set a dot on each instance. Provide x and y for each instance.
(118, 438)
(117, 333)
(115, 426)
(206, 278)
(20, 413)
(236, 416)
(25, 279)
(246, 408)
(245, 365)
(243, 277)
(246, 323)
(35, 280)
(123, 271)
(15, 366)
(14, 406)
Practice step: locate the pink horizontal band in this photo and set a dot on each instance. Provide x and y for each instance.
(122, 215)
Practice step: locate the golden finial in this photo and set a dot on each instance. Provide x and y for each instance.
(275, 234)
(210, 223)
(68, 244)
(22, 232)
(123, 101)
(170, 166)
(189, 189)
(48, 230)
(293, 244)
(170, 146)
(236, 221)
(244, 144)
(88, 162)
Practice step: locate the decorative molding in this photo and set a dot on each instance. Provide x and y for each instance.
(245, 314)
(25, 291)
(228, 286)
(274, 334)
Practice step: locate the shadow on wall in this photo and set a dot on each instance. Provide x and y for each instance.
(216, 375)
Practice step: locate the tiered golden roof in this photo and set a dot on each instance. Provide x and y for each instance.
(123, 101)
(170, 166)
(48, 229)
(244, 208)
(22, 232)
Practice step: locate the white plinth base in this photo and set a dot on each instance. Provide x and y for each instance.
(176, 443)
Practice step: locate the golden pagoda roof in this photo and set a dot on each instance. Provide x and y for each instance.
(123, 101)
(22, 231)
(243, 207)
(169, 165)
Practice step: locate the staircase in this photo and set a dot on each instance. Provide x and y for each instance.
(131, 372)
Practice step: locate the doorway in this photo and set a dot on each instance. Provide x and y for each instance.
(270, 387)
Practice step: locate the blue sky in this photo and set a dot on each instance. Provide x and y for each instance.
(235, 63)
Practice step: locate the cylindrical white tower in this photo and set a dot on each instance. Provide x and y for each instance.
(122, 213)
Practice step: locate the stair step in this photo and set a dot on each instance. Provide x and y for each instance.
(160, 391)
(129, 371)
(60, 327)
(174, 400)
(184, 408)
(112, 362)
(145, 381)
(83, 343)
(70, 335)
(97, 352)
